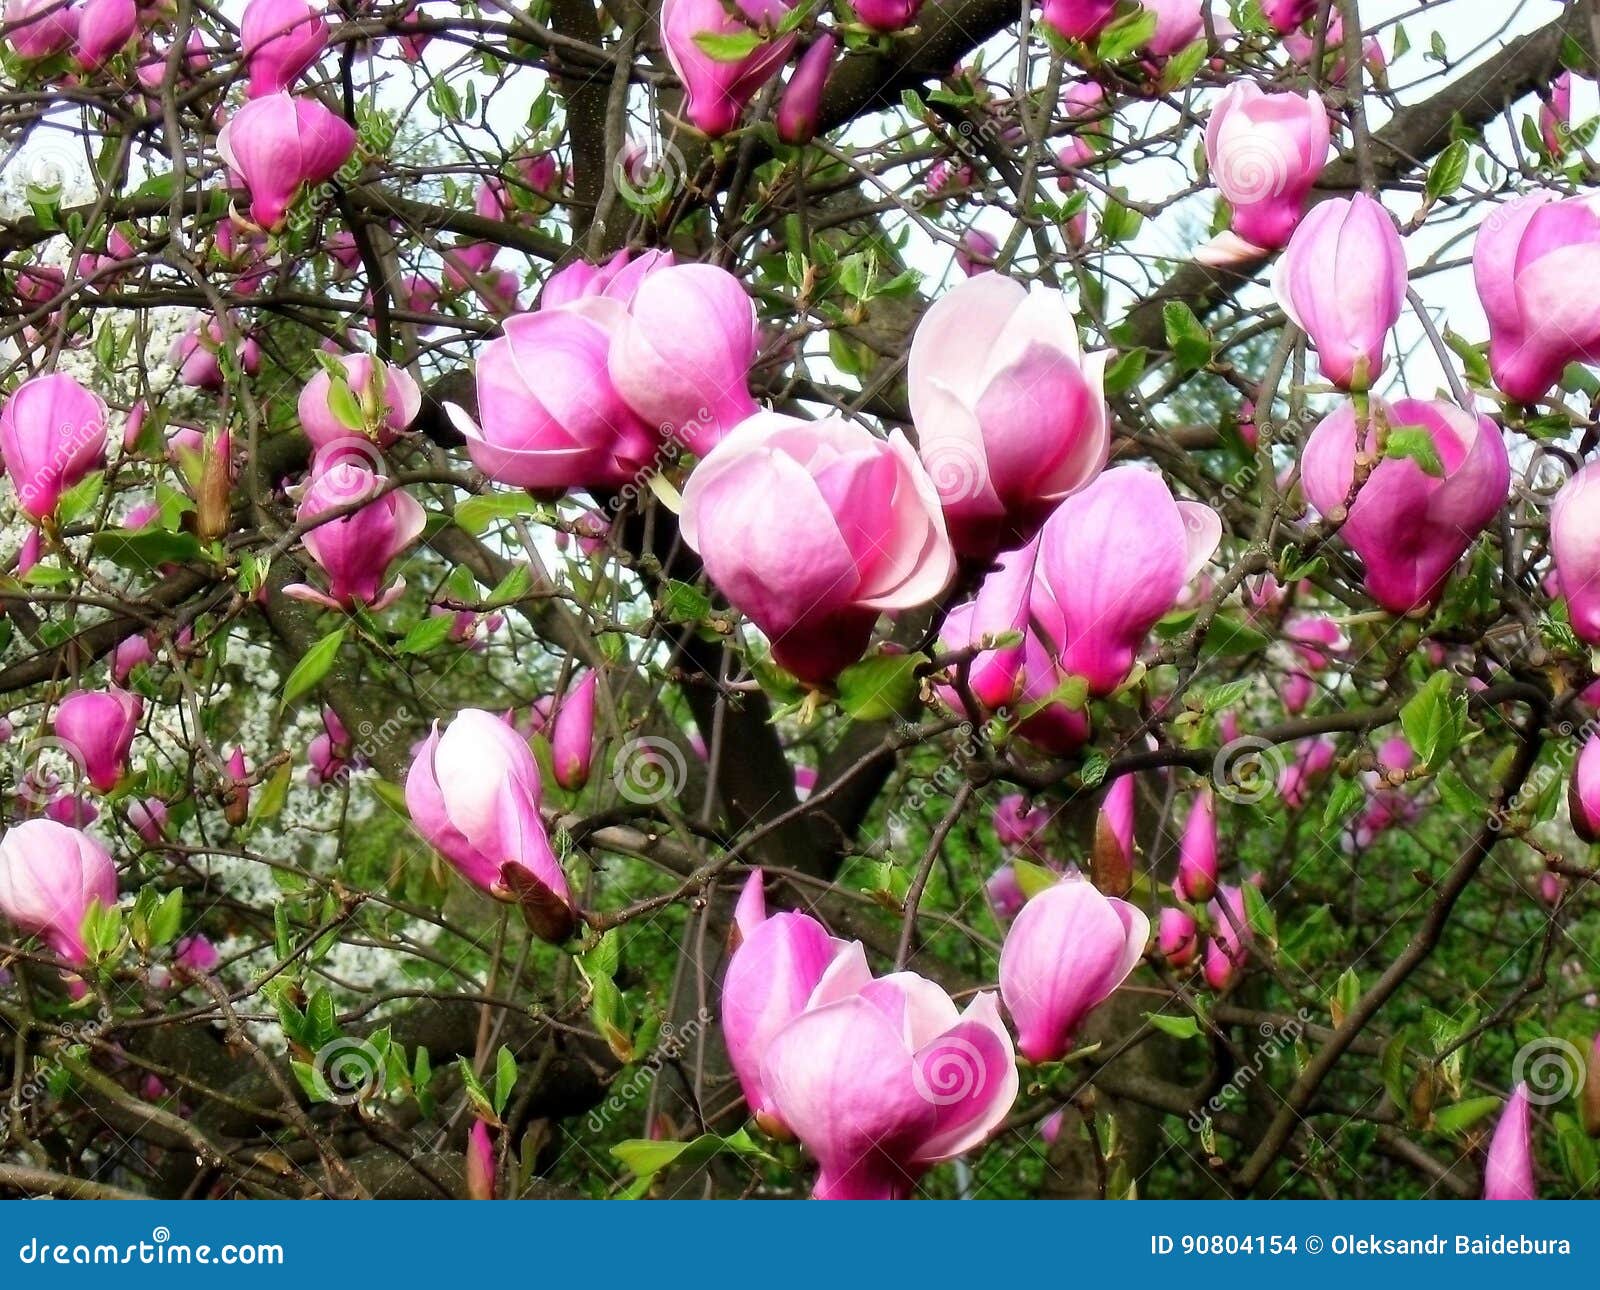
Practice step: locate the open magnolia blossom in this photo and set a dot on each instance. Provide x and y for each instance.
(860, 532)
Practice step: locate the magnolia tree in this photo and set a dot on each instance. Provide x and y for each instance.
(861, 600)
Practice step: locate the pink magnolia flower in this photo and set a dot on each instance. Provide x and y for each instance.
(717, 89)
(1005, 893)
(1065, 954)
(887, 15)
(52, 434)
(681, 355)
(1583, 791)
(195, 354)
(277, 143)
(1016, 824)
(1197, 852)
(149, 820)
(617, 279)
(1508, 1170)
(50, 875)
(1408, 526)
(1078, 19)
(104, 27)
(480, 1162)
(1176, 936)
(1022, 679)
(1342, 281)
(1230, 928)
(98, 726)
(132, 652)
(387, 398)
(280, 39)
(976, 252)
(356, 548)
(771, 975)
(1297, 691)
(1525, 260)
(1179, 23)
(40, 28)
(332, 752)
(801, 105)
(195, 955)
(1575, 546)
(1115, 558)
(1555, 115)
(550, 417)
(572, 734)
(882, 1078)
(1312, 759)
(811, 529)
(1286, 15)
(1009, 412)
(474, 795)
(1265, 152)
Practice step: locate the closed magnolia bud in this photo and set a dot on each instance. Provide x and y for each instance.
(1508, 1170)
(1342, 281)
(104, 27)
(716, 89)
(280, 38)
(213, 508)
(1197, 852)
(98, 726)
(1264, 152)
(52, 434)
(1111, 862)
(572, 734)
(480, 1162)
(1583, 791)
(236, 793)
(801, 104)
(1176, 936)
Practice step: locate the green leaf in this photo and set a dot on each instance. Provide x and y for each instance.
(312, 667)
(1463, 1115)
(879, 687)
(167, 918)
(476, 514)
(274, 793)
(1414, 443)
(1124, 372)
(1182, 66)
(427, 635)
(646, 1157)
(682, 602)
(1187, 337)
(1447, 171)
(505, 1078)
(1346, 994)
(1229, 637)
(147, 549)
(1177, 1027)
(1125, 35)
(1034, 878)
(1342, 802)
(730, 47)
(1434, 720)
